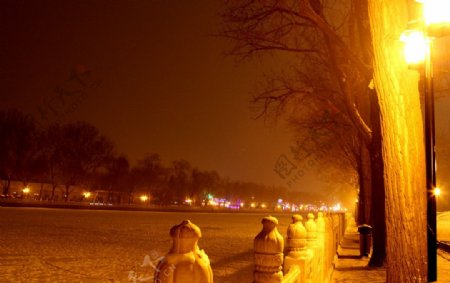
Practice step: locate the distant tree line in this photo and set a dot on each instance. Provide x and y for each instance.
(77, 154)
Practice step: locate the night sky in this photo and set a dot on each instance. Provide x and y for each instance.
(165, 85)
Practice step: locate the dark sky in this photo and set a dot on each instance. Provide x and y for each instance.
(166, 86)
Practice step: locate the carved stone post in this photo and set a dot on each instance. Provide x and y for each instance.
(322, 244)
(297, 253)
(311, 235)
(268, 248)
(185, 262)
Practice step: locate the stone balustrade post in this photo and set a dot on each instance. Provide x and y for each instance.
(185, 262)
(312, 243)
(268, 253)
(297, 252)
(321, 242)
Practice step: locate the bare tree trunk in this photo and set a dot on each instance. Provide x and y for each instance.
(378, 216)
(7, 185)
(402, 147)
(41, 191)
(52, 197)
(367, 179)
(66, 193)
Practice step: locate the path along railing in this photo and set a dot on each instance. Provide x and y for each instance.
(306, 256)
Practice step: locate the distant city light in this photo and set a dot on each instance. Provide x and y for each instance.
(263, 205)
(26, 190)
(336, 207)
(144, 198)
(212, 202)
(252, 205)
(188, 201)
(86, 194)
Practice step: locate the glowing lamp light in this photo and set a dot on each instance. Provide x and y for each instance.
(252, 205)
(436, 11)
(437, 192)
(26, 190)
(86, 194)
(416, 46)
(263, 205)
(143, 198)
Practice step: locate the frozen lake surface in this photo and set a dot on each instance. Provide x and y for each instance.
(59, 245)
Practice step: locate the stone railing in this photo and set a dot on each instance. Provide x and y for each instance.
(308, 257)
(310, 251)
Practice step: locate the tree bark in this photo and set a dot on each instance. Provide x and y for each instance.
(378, 215)
(402, 147)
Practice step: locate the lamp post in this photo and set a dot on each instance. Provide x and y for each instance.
(434, 22)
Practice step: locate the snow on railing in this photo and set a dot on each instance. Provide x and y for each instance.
(310, 251)
(309, 255)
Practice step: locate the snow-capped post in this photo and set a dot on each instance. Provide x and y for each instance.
(185, 262)
(311, 243)
(321, 242)
(297, 253)
(268, 253)
(330, 248)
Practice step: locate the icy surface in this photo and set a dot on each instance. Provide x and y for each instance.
(59, 245)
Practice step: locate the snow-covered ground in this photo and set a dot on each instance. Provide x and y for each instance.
(59, 245)
(443, 226)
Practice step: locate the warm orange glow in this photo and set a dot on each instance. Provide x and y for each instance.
(26, 190)
(86, 194)
(263, 205)
(416, 46)
(213, 203)
(252, 205)
(436, 11)
(143, 198)
(437, 192)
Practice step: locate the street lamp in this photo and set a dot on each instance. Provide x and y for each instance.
(435, 22)
(437, 192)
